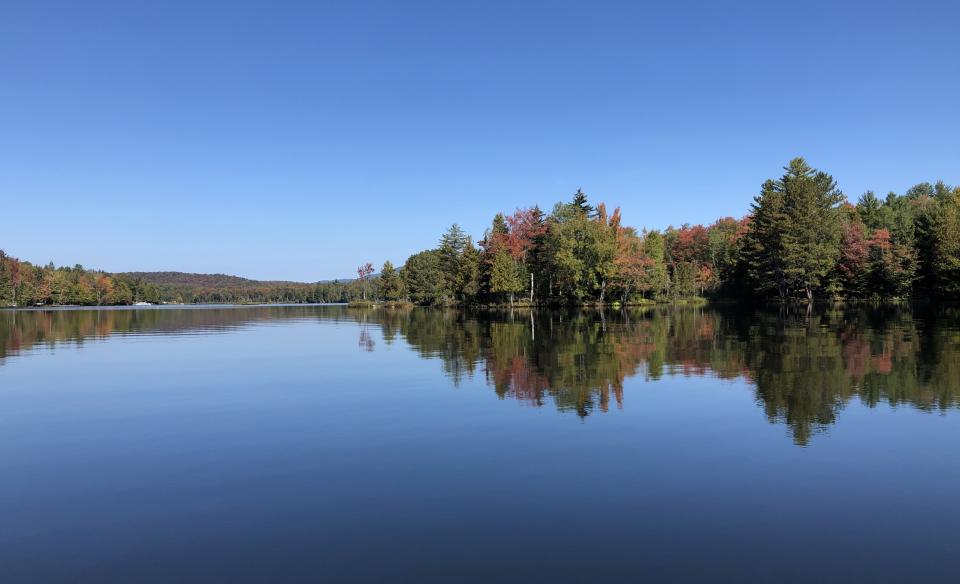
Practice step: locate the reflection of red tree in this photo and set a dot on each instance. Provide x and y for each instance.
(518, 379)
(865, 352)
(605, 396)
(883, 363)
(855, 352)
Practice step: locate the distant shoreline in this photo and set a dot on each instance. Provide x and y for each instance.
(65, 307)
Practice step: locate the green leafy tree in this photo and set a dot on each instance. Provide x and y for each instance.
(601, 249)
(684, 280)
(7, 291)
(946, 244)
(657, 278)
(459, 264)
(566, 265)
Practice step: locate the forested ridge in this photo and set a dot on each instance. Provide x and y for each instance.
(199, 280)
(24, 284)
(801, 238)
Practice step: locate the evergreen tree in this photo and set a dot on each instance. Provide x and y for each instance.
(499, 228)
(869, 209)
(423, 277)
(919, 191)
(453, 243)
(580, 203)
(506, 275)
(468, 273)
(389, 284)
(794, 236)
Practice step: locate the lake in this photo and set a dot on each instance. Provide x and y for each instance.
(327, 444)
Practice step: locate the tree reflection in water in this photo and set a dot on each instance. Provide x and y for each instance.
(804, 365)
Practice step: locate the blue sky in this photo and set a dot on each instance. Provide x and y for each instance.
(289, 140)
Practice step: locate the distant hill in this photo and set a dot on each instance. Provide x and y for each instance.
(215, 280)
(202, 280)
(65, 286)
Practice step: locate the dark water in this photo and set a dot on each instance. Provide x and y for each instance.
(324, 444)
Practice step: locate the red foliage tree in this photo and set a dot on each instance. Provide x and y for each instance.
(525, 227)
(364, 272)
(854, 257)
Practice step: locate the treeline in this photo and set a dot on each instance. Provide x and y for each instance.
(801, 239)
(262, 293)
(24, 284)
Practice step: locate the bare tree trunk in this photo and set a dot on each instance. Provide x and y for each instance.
(531, 287)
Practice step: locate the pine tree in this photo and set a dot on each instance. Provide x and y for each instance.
(468, 273)
(452, 245)
(580, 203)
(794, 236)
(389, 285)
(869, 209)
(499, 228)
(506, 275)
(423, 277)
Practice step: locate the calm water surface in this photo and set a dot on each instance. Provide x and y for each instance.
(326, 444)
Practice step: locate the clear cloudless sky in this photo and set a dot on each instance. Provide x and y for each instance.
(295, 140)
